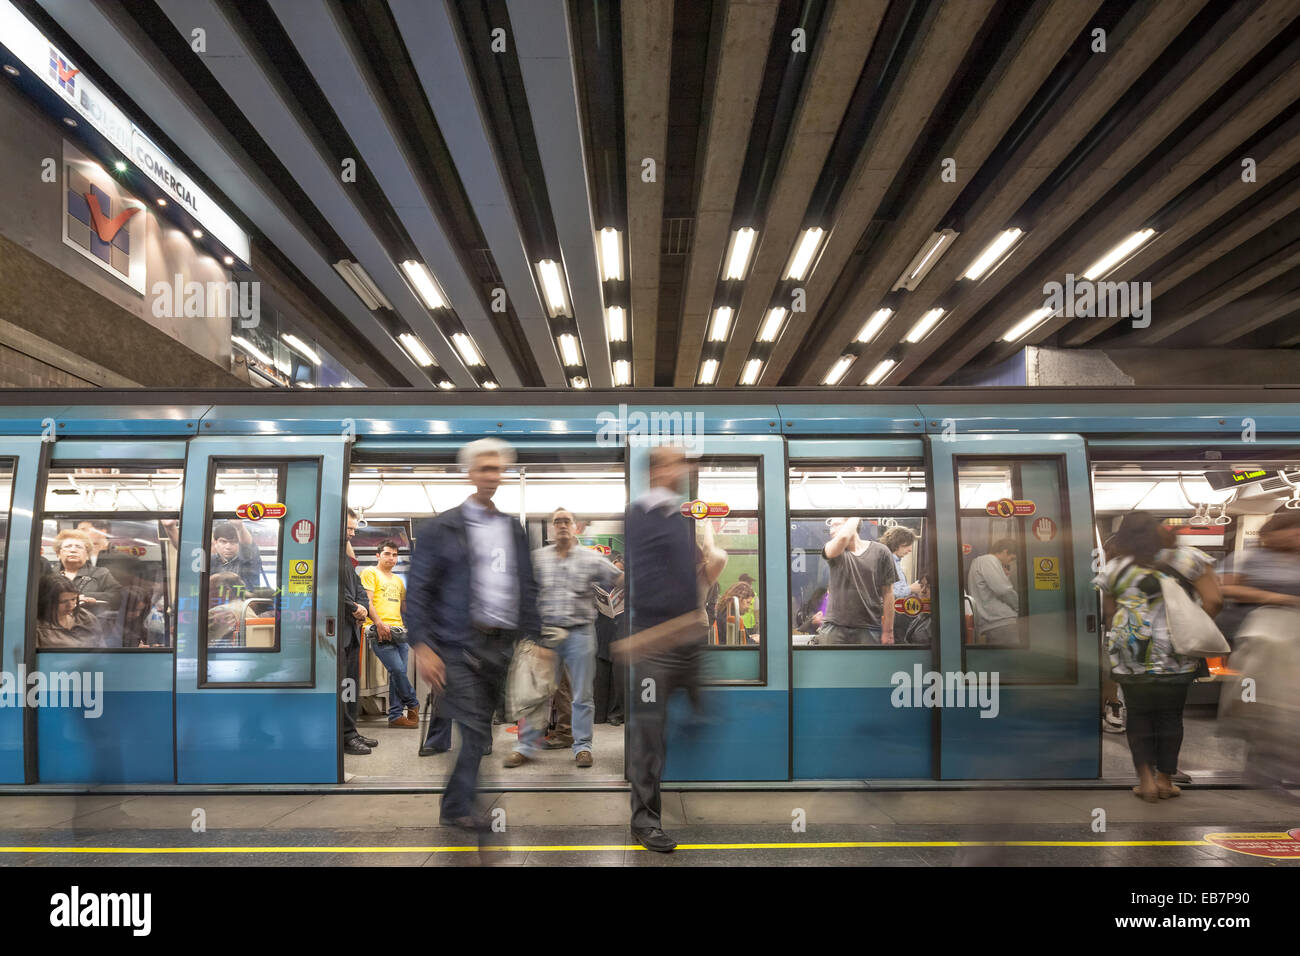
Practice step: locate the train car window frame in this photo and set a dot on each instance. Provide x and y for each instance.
(9, 469)
(171, 611)
(924, 514)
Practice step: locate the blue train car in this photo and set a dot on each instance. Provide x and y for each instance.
(211, 524)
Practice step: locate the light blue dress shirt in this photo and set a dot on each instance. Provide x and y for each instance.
(494, 577)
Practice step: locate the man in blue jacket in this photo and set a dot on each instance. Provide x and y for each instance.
(470, 597)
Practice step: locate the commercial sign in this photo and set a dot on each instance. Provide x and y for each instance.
(47, 61)
(100, 221)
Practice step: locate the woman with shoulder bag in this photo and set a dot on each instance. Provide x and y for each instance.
(1143, 660)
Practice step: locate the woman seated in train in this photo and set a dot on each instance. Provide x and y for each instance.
(98, 588)
(808, 618)
(726, 620)
(61, 621)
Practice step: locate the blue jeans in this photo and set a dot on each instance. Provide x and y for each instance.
(401, 694)
(577, 654)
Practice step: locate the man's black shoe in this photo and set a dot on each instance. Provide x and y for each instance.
(355, 746)
(655, 839)
(479, 822)
(368, 741)
(432, 751)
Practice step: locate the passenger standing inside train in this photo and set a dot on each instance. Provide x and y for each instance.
(995, 603)
(567, 575)
(99, 589)
(356, 607)
(1155, 678)
(471, 597)
(388, 633)
(235, 552)
(861, 606)
(611, 674)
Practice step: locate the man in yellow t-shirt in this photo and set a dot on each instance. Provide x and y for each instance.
(388, 634)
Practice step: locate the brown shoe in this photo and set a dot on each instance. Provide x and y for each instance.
(515, 759)
(584, 758)
(413, 713)
(404, 721)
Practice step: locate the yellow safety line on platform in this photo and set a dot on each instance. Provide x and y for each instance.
(590, 848)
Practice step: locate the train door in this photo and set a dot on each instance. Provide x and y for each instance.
(844, 720)
(19, 472)
(104, 577)
(742, 732)
(257, 696)
(1018, 612)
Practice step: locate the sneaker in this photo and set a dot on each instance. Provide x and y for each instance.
(516, 759)
(559, 743)
(1114, 716)
(583, 759)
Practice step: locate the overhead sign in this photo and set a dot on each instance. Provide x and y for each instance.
(53, 66)
(303, 531)
(1009, 508)
(1047, 574)
(100, 221)
(301, 577)
(699, 510)
(256, 511)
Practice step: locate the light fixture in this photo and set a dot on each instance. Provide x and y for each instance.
(345, 384)
(611, 254)
(306, 385)
(415, 348)
(569, 350)
(69, 121)
(360, 282)
(1026, 325)
(553, 287)
(750, 375)
(880, 371)
(742, 244)
(252, 350)
(228, 260)
(161, 201)
(197, 233)
(294, 342)
(11, 69)
(616, 323)
(923, 326)
(622, 372)
(119, 165)
(874, 325)
(772, 324)
(579, 382)
(838, 369)
(445, 384)
(803, 254)
(721, 324)
(993, 253)
(708, 371)
(1117, 255)
(490, 384)
(424, 283)
(465, 346)
(925, 260)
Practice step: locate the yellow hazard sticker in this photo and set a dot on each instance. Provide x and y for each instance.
(1047, 574)
(301, 576)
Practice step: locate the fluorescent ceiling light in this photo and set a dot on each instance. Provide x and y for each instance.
(1117, 255)
(361, 283)
(445, 384)
(569, 350)
(838, 369)
(880, 371)
(721, 324)
(750, 375)
(552, 287)
(925, 260)
(465, 346)
(490, 384)
(923, 326)
(294, 342)
(1026, 325)
(579, 382)
(992, 253)
(228, 260)
(197, 233)
(803, 255)
(415, 348)
(742, 244)
(874, 325)
(424, 283)
(772, 324)
(611, 255)
(252, 350)
(708, 371)
(622, 372)
(616, 323)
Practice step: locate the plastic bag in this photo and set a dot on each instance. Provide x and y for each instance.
(531, 680)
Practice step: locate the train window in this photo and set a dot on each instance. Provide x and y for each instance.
(108, 558)
(1014, 541)
(860, 557)
(734, 602)
(6, 496)
(242, 603)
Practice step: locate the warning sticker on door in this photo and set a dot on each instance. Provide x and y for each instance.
(1047, 574)
(301, 577)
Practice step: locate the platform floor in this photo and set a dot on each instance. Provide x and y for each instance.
(714, 827)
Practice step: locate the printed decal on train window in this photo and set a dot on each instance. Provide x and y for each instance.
(256, 511)
(1044, 529)
(1008, 508)
(1047, 574)
(303, 531)
(699, 510)
(300, 576)
(911, 606)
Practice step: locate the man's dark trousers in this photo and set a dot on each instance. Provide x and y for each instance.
(647, 725)
(475, 673)
(352, 670)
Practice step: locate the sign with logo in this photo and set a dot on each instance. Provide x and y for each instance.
(699, 510)
(1047, 574)
(911, 606)
(303, 531)
(1044, 529)
(256, 511)
(301, 578)
(100, 219)
(1276, 846)
(1009, 508)
(967, 549)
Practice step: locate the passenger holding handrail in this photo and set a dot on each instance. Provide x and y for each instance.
(235, 552)
(861, 607)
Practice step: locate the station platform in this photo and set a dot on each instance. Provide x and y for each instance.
(1025, 827)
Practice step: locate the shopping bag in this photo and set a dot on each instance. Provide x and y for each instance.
(531, 679)
(1191, 631)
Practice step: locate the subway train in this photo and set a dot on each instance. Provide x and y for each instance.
(157, 496)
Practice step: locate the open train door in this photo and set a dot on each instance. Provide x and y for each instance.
(1033, 653)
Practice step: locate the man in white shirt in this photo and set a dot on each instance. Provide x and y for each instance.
(994, 601)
